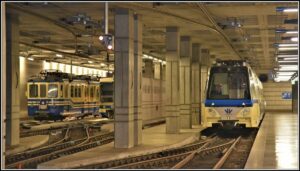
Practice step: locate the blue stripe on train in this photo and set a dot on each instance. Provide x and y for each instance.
(57, 110)
(231, 103)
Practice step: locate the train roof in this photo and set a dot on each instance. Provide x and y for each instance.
(58, 76)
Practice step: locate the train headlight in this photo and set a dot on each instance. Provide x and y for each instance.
(211, 112)
(246, 112)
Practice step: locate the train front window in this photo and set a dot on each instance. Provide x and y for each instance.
(33, 90)
(52, 90)
(228, 83)
(43, 90)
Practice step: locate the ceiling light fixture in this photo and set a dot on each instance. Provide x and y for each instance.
(294, 39)
(287, 56)
(286, 44)
(287, 9)
(59, 55)
(31, 59)
(288, 48)
(90, 62)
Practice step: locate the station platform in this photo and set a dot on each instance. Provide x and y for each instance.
(276, 144)
(154, 139)
(27, 143)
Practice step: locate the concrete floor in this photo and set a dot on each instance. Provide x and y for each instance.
(27, 143)
(276, 145)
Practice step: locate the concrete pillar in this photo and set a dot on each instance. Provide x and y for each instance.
(148, 68)
(157, 70)
(12, 78)
(195, 94)
(204, 70)
(124, 79)
(3, 80)
(172, 80)
(163, 72)
(185, 82)
(138, 54)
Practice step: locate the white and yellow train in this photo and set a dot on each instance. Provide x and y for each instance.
(234, 96)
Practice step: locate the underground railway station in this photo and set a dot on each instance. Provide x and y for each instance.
(149, 85)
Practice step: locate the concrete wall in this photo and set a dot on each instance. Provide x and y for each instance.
(273, 95)
(153, 99)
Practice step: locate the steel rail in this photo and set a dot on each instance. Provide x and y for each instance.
(220, 163)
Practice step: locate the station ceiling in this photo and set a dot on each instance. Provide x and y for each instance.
(49, 28)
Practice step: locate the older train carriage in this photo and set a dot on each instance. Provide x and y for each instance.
(234, 96)
(55, 95)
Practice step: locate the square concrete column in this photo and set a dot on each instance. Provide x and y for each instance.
(172, 80)
(204, 77)
(148, 72)
(195, 91)
(185, 82)
(124, 79)
(157, 70)
(138, 54)
(12, 78)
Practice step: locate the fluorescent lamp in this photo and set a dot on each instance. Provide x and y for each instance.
(287, 61)
(288, 48)
(102, 64)
(145, 56)
(150, 57)
(291, 32)
(286, 56)
(90, 62)
(164, 62)
(291, 10)
(287, 45)
(294, 39)
(31, 59)
(285, 73)
(59, 55)
(160, 60)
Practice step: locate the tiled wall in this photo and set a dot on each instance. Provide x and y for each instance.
(273, 95)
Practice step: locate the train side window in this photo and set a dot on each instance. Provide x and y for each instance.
(43, 90)
(76, 90)
(92, 92)
(72, 91)
(52, 90)
(82, 90)
(33, 90)
(66, 91)
(61, 90)
(98, 93)
(79, 91)
(86, 91)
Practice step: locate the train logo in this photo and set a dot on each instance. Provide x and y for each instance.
(228, 111)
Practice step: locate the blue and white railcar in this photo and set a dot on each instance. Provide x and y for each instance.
(55, 95)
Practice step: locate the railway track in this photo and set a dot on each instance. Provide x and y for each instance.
(32, 158)
(215, 152)
(157, 155)
(232, 157)
(174, 161)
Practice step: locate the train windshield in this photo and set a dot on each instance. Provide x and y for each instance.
(52, 90)
(228, 83)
